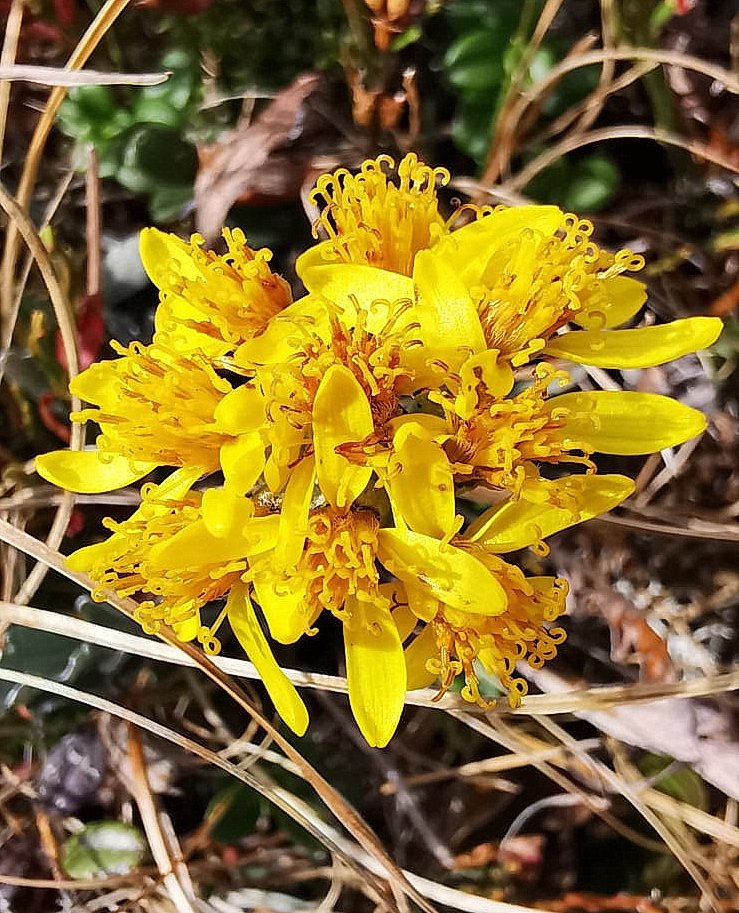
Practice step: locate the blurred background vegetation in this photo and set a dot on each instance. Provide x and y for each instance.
(622, 110)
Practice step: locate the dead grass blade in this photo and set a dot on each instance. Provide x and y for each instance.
(684, 854)
(65, 320)
(699, 529)
(591, 699)
(53, 76)
(516, 110)
(163, 843)
(87, 44)
(10, 45)
(501, 134)
(593, 104)
(625, 131)
(499, 732)
(283, 799)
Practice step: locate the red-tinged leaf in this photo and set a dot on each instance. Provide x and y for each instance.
(50, 421)
(90, 331)
(65, 11)
(184, 7)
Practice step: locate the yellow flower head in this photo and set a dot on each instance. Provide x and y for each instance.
(522, 633)
(340, 384)
(318, 447)
(536, 282)
(371, 219)
(155, 407)
(122, 564)
(209, 301)
(505, 438)
(327, 559)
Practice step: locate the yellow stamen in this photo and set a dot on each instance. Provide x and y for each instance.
(369, 219)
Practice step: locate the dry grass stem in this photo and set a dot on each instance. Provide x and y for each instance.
(698, 529)
(618, 785)
(605, 134)
(53, 76)
(7, 56)
(8, 324)
(67, 330)
(598, 698)
(590, 699)
(163, 843)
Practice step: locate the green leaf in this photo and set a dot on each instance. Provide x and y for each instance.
(679, 781)
(405, 39)
(592, 185)
(40, 653)
(474, 63)
(167, 203)
(466, 15)
(154, 156)
(103, 849)
(236, 809)
(471, 130)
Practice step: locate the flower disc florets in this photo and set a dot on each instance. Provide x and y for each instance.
(363, 212)
(339, 558)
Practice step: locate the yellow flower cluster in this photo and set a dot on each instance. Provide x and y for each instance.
(317, 446)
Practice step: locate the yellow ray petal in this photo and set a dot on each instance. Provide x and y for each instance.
(242, 461)
(471, 248)
(86, 472)
(422, 602)
(283, 334)
(164, 254)
(246, 627)
(637, 348)
(449, 324)
(375, 670)
(421, 483)
(100, 554)
(449, 574)
(262, 534)
(194, 545)
(240, 411)
(420, 650)
(436, 426)
(99, 384)
(320, 254)
(294, 513)
(627, 423)
(189, 629)
(558, 504)
(352, 286)
(287, 611)
(615, 302)
(224, 512)
(177, 485)
(403, 618)
(341, 414)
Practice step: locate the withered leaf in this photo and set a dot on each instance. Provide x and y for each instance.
(267, 160)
